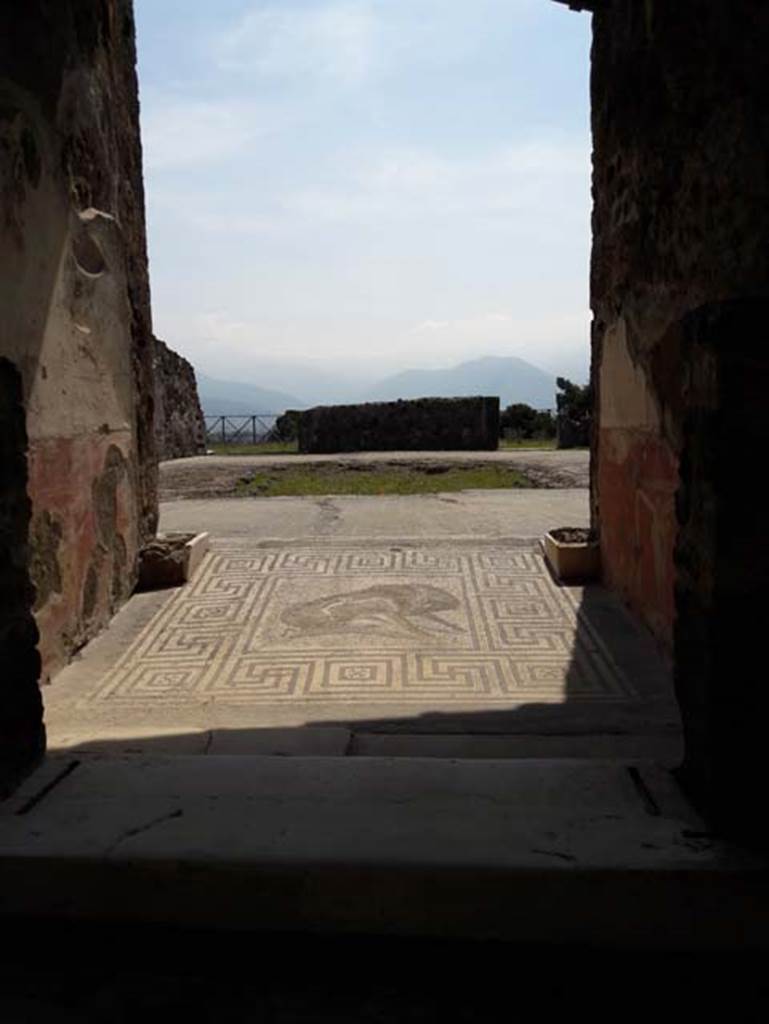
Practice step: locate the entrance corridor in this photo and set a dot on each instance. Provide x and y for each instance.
(359, 728)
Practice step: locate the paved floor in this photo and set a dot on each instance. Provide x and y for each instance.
(502, 513)
(593, 853)
(432, 642)
(471, 744)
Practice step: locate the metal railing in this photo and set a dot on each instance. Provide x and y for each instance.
(258, 428)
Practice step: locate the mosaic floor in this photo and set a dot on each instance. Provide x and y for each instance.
(382, 623)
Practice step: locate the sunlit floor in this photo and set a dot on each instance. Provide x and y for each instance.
(346, 645)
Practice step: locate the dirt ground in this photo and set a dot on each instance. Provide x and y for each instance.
(218, 476)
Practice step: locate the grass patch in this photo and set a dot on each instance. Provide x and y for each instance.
(542, 444)
(267, 448)
(322, 479)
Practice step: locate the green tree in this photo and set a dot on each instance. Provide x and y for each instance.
(286, 426)
(575, 413)
(521, 422)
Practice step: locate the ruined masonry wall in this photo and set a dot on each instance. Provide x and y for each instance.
(180, 428)
(680, 294)
(75, 299)
(421, 424)
(679, 100)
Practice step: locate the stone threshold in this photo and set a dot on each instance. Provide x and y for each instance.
(598, 852)
(340, 741)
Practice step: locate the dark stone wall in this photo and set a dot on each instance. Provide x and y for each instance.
(680, 285)
(75, 299)
(180, 428)
(422, 424)
(722, 563)
(22, 737)
(680, 108)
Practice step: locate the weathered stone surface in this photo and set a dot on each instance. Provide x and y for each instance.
(75, 301)
(422, 424)
(681, 219)
(171, 559)
(180, 428)
(162, 563)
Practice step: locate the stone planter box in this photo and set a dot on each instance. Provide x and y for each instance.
(171, 559)
(574, 555)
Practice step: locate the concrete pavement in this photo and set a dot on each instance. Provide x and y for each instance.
(500, 513)
(590, 853)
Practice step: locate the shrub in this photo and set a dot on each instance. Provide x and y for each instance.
(521, 422)
(286, 426)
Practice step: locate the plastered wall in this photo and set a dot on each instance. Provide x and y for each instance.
(75, 300)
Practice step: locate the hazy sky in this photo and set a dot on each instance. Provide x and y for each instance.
(374, 184)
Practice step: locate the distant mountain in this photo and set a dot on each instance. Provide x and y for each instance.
(512, 379)
(232, 398)
(313, 382)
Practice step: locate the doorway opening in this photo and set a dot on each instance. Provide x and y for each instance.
(369, 625)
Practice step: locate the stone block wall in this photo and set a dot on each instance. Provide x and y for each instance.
(422, 424)
(75, 299)
(680, 292)
(180, 428)
(680, 221)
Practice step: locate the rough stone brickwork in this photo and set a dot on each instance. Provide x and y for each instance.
(179, 425)
(680, 221)
(21, 731)
(423, 424)
(680, 294)
(75, 299)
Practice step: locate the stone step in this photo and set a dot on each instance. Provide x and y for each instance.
(340, 741)
(524, 850)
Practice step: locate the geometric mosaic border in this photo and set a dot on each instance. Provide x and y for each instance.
(435, 624)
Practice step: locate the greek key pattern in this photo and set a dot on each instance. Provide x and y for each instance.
(433, 625)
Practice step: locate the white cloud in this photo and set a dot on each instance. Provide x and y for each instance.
(348, 40)
(313, 185)
(540, 337)
(529, 181)
(333, 40)
(180, 133)
(469, 326)
(526, 189)
(431, 325)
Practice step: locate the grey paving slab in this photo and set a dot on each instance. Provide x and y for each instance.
(664, 750)
(503, 513)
